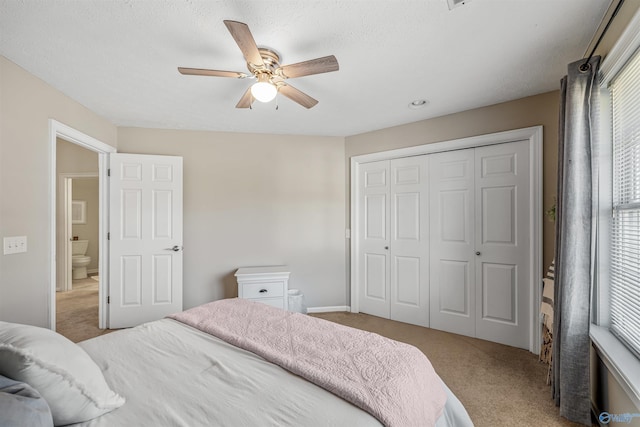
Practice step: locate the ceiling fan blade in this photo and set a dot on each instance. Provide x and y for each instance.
(241, 34)
(297, 96)
(314, 66)
(246, 100)
(215, 73)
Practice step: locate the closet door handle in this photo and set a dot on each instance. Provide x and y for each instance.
(478, 253)
(262, 291)
(386, 247)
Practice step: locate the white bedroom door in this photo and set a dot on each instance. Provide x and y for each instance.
(145, 238)
(453, 290)
(373, 222)
(409, 244)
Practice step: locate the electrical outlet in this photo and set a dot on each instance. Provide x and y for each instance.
(14, 245)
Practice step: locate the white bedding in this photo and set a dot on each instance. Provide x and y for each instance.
(173, 375)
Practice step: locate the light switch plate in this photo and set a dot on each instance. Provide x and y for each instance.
(14, 244)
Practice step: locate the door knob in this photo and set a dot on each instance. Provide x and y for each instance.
(386, 247)
(176, 248)
(478, 253)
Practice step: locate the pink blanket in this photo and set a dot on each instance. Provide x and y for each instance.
(393, 381)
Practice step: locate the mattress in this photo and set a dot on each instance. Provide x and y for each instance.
(173, 375)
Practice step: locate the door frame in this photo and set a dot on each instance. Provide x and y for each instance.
(534, 135)
(60, 130)
(64, 187)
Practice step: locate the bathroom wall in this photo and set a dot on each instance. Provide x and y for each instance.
(86, 189)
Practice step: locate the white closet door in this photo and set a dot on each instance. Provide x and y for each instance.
(502, 243)
(373, 241)
(409, 248)
(452, 243)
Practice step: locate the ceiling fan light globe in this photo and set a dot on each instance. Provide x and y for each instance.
(264, 91)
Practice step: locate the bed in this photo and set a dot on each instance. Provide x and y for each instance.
(170, 373)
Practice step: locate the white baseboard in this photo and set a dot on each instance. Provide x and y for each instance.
(328, 309)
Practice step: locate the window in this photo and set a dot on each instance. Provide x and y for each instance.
(625, 233)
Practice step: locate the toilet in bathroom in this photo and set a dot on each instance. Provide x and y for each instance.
(79, 261)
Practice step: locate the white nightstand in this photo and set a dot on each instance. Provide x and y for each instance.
(268, 285)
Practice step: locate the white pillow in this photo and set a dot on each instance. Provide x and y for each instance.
(66, 376)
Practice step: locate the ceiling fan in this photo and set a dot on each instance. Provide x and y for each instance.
(264, 65)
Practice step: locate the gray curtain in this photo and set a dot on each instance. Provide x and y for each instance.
(575, 242)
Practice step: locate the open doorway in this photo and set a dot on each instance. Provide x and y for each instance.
(77, 158)
(77, 241)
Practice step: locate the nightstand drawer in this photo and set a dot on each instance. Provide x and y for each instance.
(268, 285)
(263, 290)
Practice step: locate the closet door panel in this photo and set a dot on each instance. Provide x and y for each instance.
(409, 244)
(499, 292)
(375, 273)
(454, 296)
(407, 277)
(502, 243)
(373, 223)
(452, 278)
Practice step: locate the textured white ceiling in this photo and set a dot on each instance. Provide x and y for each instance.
(119, 57)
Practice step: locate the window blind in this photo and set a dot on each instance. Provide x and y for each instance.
(625, 245)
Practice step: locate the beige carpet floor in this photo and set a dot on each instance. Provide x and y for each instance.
(499, 385)
(77, 311)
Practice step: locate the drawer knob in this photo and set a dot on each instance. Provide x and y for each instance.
(262, 291)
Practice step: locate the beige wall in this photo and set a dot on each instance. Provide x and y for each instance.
(532, 111)
(72, 158)
(254, 200)
(26, 105)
